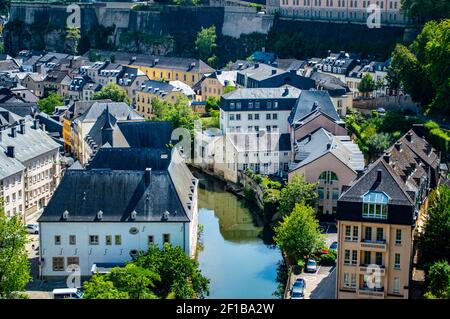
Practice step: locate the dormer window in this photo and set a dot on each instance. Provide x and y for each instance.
(375, 205)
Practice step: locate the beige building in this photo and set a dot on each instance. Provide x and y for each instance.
(214, 84)
(379, 217)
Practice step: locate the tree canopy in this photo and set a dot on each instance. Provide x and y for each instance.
(438, 279)
(48, 104)
(14, 266)
(424, 10)
(296, 191)
(113, 92)
(367, 84)
(205, 42)
(298, 235)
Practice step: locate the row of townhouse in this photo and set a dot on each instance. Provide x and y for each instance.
(29, 167)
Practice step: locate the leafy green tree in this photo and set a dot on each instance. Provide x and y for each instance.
(298, 190)
(367, 84)
(112, 91)
(2, 48)
(205, 42)
(377, 143)
(48, 104)
(298, 235)
(14, 266)
(438, 278)
(424, 10)
(435, 240)
(129, 282)
(73, 36)
(185, 2)
(180, 275)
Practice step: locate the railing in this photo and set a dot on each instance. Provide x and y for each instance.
(363, 269)
(373, 245)
(367, 292)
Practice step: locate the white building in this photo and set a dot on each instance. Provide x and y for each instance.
(126, 200)
(29, 146)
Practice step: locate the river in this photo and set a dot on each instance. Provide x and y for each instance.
(233, 256)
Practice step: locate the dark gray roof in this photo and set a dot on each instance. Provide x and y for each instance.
(21, 108)
(285, 92)
(119, 110)
(83, 193)
(146, 134)
(8, 165)
(310, 102)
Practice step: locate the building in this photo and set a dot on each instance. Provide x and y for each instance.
(34, 83)
(215, 83)
(338, 64)
(338, 10)
(151, 90)
(379, 217)
(378, 72)
(82, 125)
(265, 76)
(131, 79)
(26, 145)
(125, 201)
(254, 109)
(332, 161)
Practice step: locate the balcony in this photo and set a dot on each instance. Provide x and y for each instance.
(363, 269)
(379, 246)
(377, 293)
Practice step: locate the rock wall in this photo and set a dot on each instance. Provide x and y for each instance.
(242, 20)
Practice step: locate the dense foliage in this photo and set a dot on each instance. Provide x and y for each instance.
(438, 281)
(205, 43)
(48, 104)
(113, 92)
(424, 10)
(297, 190)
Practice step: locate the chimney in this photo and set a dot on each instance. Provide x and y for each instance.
(10, 151)
(379, 175)
(218, 72)
(35, 124)
(328, 146)
(398, 146)
(43, 127)
(13, 131)
(309, 137)
(409, 137)
(148, 176)
(286, 91)
(22, 126)
(429, 149)
(387, 157)
(256, 65)
(274, 72)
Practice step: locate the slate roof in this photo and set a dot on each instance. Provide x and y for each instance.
(146, 134)
(8, 166)
(289, 64)
(7, 117)
(328, 82)
(310, 102)
(21, 108)
(83, 193)
(224, 77)
(263, 93)
(8, 65)
(120, 110)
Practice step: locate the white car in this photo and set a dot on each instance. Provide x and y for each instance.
(311, 265)
(32, 229)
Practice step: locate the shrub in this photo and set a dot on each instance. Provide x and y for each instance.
(249, 193)
(328, 259)
(301, 264)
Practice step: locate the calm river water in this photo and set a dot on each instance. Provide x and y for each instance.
(235, 259)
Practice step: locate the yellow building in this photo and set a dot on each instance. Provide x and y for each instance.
(215, 83)
(151, 90)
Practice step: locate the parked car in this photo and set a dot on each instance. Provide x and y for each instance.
(311, 265)
(32, 229)
(334, 246)
(298, 289)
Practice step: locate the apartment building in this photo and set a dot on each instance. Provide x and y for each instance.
(31, 170)
(353, 11)
(214, 84)
(380, 216)
(255, 109)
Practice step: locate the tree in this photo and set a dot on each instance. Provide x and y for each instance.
(367, 85)
(377, 143)
(185, 2)
(113, 92)
(73, 36)
(180, 275)
(435, 240)
(129, 282)
(206, 42)
(48, 104)
(4, 6)
(14, 266)
(296, 191)
(438, 278)
(424, 10)
(298, 235)
(2, 48)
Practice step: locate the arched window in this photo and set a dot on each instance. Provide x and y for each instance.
(328, 177)
(375, 205)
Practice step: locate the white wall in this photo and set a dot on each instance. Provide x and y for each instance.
(281, 122)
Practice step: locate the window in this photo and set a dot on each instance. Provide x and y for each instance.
(397, 261)
(250, 105)
(72, 240)
(348, 231)
(73, 261)
(108, 240)
(353, 282)
(58, 263)
(256, 116)
(166, 238)
(380, 234)
(396, 288)
(398, 237)
(118, 240)
(354, 257)
(347, 257)
(268, 116)
(328, 177)
(231, 117)
(367, 258)
(238, 117)
(57, 240)
(355, 233)
(320, 193)
(150, 239)
(375, 205)
(346, 280)
(257, 105)
(368, 234)
(335, 193)
(379, 258)
(93, 239)
(274, 116)
(250, 117)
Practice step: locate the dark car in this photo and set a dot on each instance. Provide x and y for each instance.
(298, 289)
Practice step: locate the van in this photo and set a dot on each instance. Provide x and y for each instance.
(67, 293)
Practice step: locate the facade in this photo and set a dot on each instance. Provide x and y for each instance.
(129, 199)
(215, 83)
(353, 11)
(379, 217)
(332, 161)
(255, 109)
(131, 79)
(28, 146)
